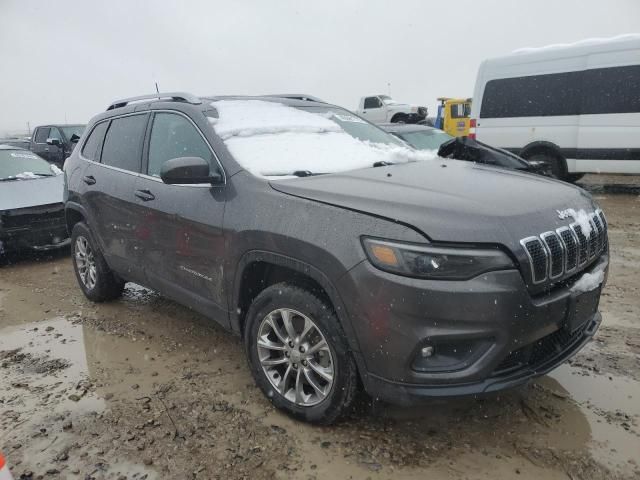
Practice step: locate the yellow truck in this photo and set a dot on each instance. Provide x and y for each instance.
(454, 116)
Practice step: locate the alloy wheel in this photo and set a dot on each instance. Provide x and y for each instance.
(85, 262)
(295, 357)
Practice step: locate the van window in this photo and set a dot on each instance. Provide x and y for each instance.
(372, 102)
(173, 136)
(532, 96)
(42, 134)
(611, 90)
(122, 145)
(90, 148)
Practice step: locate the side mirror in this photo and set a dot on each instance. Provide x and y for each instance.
(74, 138)
(54, 141)
(188, 170)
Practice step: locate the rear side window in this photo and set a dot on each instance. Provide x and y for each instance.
(532, 96)
(372, 102)
(90, 150)
(173, 136)
(611, 90)
(42, 134)
(123, 142)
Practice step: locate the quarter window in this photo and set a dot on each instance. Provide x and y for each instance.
(123, 142)
(173, 136)
(90, 149)
(42, 134)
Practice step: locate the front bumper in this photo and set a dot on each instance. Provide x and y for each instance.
(495, 332)
(33, 228)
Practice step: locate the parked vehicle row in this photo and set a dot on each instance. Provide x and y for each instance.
(339, 254)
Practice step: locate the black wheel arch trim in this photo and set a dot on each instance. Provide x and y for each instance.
(303, 268)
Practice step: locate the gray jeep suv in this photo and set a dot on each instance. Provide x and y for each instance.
(343, 258)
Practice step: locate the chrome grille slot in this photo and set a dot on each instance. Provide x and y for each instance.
(556, 254)
(570, 248)
(553, 255)
(538, 258)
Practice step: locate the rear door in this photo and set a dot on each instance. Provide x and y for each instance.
(110, 195)
(184, 249)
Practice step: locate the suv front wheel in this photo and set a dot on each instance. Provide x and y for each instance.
(299, 355)
(95, 278)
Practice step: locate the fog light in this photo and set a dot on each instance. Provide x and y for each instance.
(426, 351)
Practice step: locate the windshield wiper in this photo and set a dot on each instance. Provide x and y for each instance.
(9, 179)
(297, 173)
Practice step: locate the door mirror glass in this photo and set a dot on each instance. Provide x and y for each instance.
(188, 170)
(54, 141)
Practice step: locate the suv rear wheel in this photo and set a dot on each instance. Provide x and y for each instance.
(298, 354)
(97, 281)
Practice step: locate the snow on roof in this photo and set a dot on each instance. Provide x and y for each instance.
(581, 43)
(270, 139)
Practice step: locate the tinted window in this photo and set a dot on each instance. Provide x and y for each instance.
(173, 136)
(372, 102)
(122, 145)
(42, 134)
(611, 90)
(91, 146)
(55, 133)
(532, 96)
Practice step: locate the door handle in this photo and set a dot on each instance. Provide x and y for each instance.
(145, 195)
(89, 180)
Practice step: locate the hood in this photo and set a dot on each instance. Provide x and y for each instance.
(450, 201)
(31, 193)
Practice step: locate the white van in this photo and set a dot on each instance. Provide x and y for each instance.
(575, 107)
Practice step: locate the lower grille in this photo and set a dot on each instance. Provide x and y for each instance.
(37, 217)
(541, 351)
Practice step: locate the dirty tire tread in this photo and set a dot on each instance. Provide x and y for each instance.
(345, 386)
(108, 285)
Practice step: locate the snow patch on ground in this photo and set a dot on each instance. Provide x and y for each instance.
(581, 43)
(274, 140)
(589, 281)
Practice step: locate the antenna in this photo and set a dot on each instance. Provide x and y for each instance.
(389, 88)
(157, 90)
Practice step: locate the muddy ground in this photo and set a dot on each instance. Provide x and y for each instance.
(145, 388)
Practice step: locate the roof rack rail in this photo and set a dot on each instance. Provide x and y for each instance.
(173, 96)
(297, 96)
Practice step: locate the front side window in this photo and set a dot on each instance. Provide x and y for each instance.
(90, 149)
(372, 102)
(173, 136)
(55, 133)
(123, 142)
(71, 130)
(42, 134)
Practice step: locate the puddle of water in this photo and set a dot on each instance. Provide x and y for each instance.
(599, 398)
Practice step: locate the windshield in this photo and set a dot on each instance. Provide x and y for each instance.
(24, 165)
(70, 130)
(387, 100)
(273, 139)
(425, 139)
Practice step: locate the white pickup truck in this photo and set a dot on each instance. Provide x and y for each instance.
(384, 109)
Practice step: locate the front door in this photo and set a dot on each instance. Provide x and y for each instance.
(374, 110)
(39, 144)
(180, 226)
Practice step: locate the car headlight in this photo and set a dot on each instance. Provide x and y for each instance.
(441, 263)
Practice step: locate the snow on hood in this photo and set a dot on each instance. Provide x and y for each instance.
(272, 139)
(581, 43)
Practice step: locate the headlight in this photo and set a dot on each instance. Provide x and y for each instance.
(425, 261)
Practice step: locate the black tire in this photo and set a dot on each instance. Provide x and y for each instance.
(399, 118)
(556, 166)
(345, 379)
(107, 286)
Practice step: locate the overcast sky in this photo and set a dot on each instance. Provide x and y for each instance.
(66, 60)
